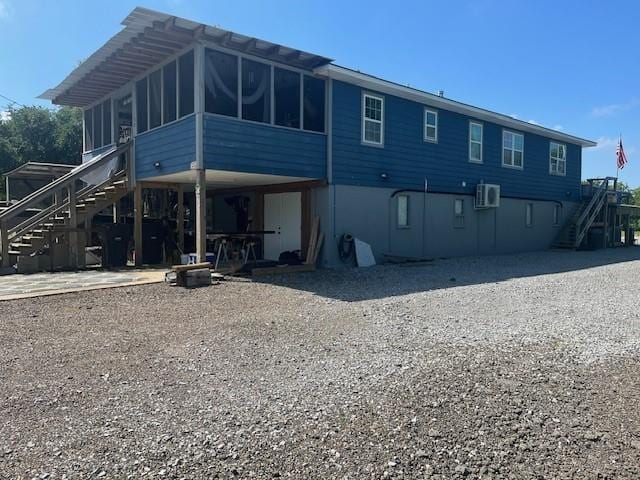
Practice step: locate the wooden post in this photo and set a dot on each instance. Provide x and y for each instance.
(73, 224)
(137, 223)
(4, 244)
(201, 215)
(180, 217)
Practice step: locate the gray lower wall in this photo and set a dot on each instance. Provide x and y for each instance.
(369, 214)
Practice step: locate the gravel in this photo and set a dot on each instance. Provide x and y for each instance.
(520, 366)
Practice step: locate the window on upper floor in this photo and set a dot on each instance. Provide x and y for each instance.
(155, 99)
(169, 93)
(313, 103)
(475, 142)
(372, 119)
(557, 159)
(403, 211)
(286, 88)
(141, 105)
(186, 84)
(221, 83)
(512, 149)
(256, 91)
(430, 125)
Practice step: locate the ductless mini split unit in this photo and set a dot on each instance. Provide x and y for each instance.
(487, 195)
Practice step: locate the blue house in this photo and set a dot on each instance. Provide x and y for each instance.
(250, 136)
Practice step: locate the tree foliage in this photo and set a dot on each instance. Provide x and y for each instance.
(37, 134)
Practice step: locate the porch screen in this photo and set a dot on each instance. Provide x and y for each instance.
(106, 122)
(221, 83)
(97, 126)
(155, 99)
(286, 86)
(141, 104)
(169, 73)
(185, 83)
(88, 130)
(313, 104)
(256, 91)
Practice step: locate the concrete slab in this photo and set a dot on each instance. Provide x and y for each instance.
(40, 284)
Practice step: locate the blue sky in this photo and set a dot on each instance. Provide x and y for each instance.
(570, 65)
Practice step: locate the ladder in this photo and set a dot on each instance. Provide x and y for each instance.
(52, 237)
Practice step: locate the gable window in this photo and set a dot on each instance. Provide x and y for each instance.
(286, 88)
(256, 91)
(155, 99)
(313, 103)
(475, 142)
(169, 99)
(186, 83)
(403, 211)
(430, 125)
(221, 83)
(557, 159)
(512, 149)
(528, 215)
(557, 214)
(372, 119)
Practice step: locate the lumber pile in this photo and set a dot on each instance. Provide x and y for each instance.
(316, 240)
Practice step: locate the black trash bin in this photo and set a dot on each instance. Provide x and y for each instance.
(116, 240)
(153, 239)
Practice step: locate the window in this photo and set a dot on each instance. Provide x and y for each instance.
(372, 119)
(106, 123)
(313, 101)
(458, 207)
(512, 149)
(155, 99)
(475, 142)
(557, 214)
(221, 83)
(557, 159)
(528, 215)
(256, 91)
(97, 126)
(141, 105)
(169, 98)
(430, 125)
(186, 84)
(403, 211)
(88, 130)
(286, 86)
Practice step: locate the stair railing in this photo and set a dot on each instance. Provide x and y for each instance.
(589, 214)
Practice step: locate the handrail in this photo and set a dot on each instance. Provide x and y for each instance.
(48, 190)
(594, 199)
(597, 201)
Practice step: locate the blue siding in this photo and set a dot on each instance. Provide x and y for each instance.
(173, 145)
(407, 159)
(235, 145)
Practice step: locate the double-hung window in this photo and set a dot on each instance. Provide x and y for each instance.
(512, 149)
(557, 159)
(475, 142)
(372, 119)
(430, 125)
(403, 211)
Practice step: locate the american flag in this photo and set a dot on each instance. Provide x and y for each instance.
(622, 158)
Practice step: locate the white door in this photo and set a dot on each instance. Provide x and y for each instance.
(283, 215)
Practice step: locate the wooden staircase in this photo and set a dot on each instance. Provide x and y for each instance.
(576, 228)
(58, 229)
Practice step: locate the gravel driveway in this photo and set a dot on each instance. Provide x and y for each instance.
(523, 366)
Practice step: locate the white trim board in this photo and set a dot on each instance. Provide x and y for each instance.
(375, 84)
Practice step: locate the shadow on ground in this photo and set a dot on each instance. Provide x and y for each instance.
(353, 285)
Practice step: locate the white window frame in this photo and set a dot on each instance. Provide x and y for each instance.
(481, 142)
(408, 209)
(512, 150)
(528, 215)
(557, 215)
(380, 122)
(425, 125)
(558, 160)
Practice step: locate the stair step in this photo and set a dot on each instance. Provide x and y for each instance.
(20, 246)
(119, 183)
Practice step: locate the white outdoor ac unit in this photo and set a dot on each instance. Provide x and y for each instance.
(487, 195)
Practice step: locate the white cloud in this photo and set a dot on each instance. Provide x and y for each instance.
(614, 108)
(4, 116)
(605, 143)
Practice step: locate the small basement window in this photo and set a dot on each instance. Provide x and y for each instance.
(475, 142)
(458, 213)
(512, 149)
(557, 214)
(430, 125)
(256, 91)
(313, 104)
(557, 159)
(403, 211)
(286, 87)
(372, 119)
(221, 83)
(528, 215)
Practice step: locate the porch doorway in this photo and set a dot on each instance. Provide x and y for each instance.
(283, 215)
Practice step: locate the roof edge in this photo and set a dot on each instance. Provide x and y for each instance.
(338, 72)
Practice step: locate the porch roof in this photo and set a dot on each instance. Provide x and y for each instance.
(148, 38)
